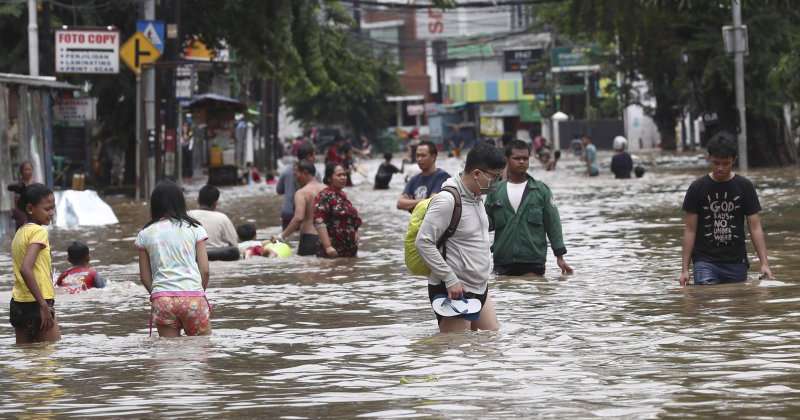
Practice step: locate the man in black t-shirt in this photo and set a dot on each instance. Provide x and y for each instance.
(426, 183)
(386, 171)
(716, 207)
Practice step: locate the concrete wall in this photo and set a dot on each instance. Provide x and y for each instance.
(602, 132)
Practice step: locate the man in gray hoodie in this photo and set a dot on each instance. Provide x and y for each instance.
(464, 269)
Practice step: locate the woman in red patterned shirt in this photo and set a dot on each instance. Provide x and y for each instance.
(335, 218)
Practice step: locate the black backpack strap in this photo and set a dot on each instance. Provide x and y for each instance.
(454, 220)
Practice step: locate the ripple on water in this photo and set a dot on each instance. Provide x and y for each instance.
(303, 337)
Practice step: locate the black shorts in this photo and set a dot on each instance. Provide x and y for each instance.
(441, 289)
(309, 244)
(519, 269)
(26, 315)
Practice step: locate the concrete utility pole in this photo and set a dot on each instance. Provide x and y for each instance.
(739, 65)
(179, 124)
(33, 39)
(149, 74)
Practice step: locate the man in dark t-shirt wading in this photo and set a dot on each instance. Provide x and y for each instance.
(425, 184)
(716, 207)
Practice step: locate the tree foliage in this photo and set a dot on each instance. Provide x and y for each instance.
(306, 45)
(676, 46)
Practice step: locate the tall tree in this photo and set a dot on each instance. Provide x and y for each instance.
(326, 75)
(676, 47)
(303, 44)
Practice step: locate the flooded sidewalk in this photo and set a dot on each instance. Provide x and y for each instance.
(308, 338)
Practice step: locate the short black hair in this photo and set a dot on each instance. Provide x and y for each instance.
(387, 156)
(484, 156)
(307, 167)
(557, 154)
(723, 145)
(77, 253)
(208, 195)
(246, 232)
(431, 146)
(506, 139)
(304, 151)
(518, 145)
(639, 171)
(32, 194)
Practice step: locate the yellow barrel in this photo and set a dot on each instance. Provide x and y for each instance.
(215, 158)
(78, 181)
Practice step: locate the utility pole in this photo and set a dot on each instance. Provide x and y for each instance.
(266, 147)
(33, 39)
(149, 74)
(139, 142)
(179, 122)
(588, 103)
(739, 65)
(276, 105)
(170, 123)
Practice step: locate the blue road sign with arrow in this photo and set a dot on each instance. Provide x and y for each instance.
(154, 31)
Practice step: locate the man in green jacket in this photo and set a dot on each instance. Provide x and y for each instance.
(523, 216)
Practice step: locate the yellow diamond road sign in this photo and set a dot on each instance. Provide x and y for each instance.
(138, 50)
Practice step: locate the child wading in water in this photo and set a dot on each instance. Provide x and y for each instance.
(32, 310)
(173, 265)
(80, 276)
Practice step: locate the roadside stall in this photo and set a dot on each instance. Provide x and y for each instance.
(26, 133)
(214, 120)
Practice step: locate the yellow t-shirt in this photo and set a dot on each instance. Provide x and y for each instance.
(31, 233)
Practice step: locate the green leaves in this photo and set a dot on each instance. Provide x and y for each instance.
(676, 46)
(326, 75)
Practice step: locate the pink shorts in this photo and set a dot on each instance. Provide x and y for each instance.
(190, 313)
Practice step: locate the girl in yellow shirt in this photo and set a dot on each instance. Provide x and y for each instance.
(32, 298)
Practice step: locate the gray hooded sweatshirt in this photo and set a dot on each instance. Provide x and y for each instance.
(469, 255)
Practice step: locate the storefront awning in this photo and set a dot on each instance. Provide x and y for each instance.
(216, 101)
(487, 91)
(36, 81)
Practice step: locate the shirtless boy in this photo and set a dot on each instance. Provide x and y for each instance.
(303, 219)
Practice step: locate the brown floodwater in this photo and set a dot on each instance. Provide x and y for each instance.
(307, 338)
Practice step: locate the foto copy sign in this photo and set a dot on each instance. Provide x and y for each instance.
(88, 51)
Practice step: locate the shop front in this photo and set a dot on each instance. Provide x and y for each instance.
(502, 107)
(26, 133)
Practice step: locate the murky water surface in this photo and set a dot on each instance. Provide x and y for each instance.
(303, 337)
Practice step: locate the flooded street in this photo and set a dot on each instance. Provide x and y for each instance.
(309, 338)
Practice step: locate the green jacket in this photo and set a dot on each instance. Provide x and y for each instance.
(520, 236)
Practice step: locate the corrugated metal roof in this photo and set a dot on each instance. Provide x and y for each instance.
(36, 81)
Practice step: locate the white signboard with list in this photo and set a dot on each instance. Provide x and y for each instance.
(88, 51)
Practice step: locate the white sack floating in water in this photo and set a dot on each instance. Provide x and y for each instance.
(82, 208)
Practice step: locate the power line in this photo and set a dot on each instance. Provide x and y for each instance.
(470, 5)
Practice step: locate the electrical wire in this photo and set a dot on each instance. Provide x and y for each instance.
(472, 4)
